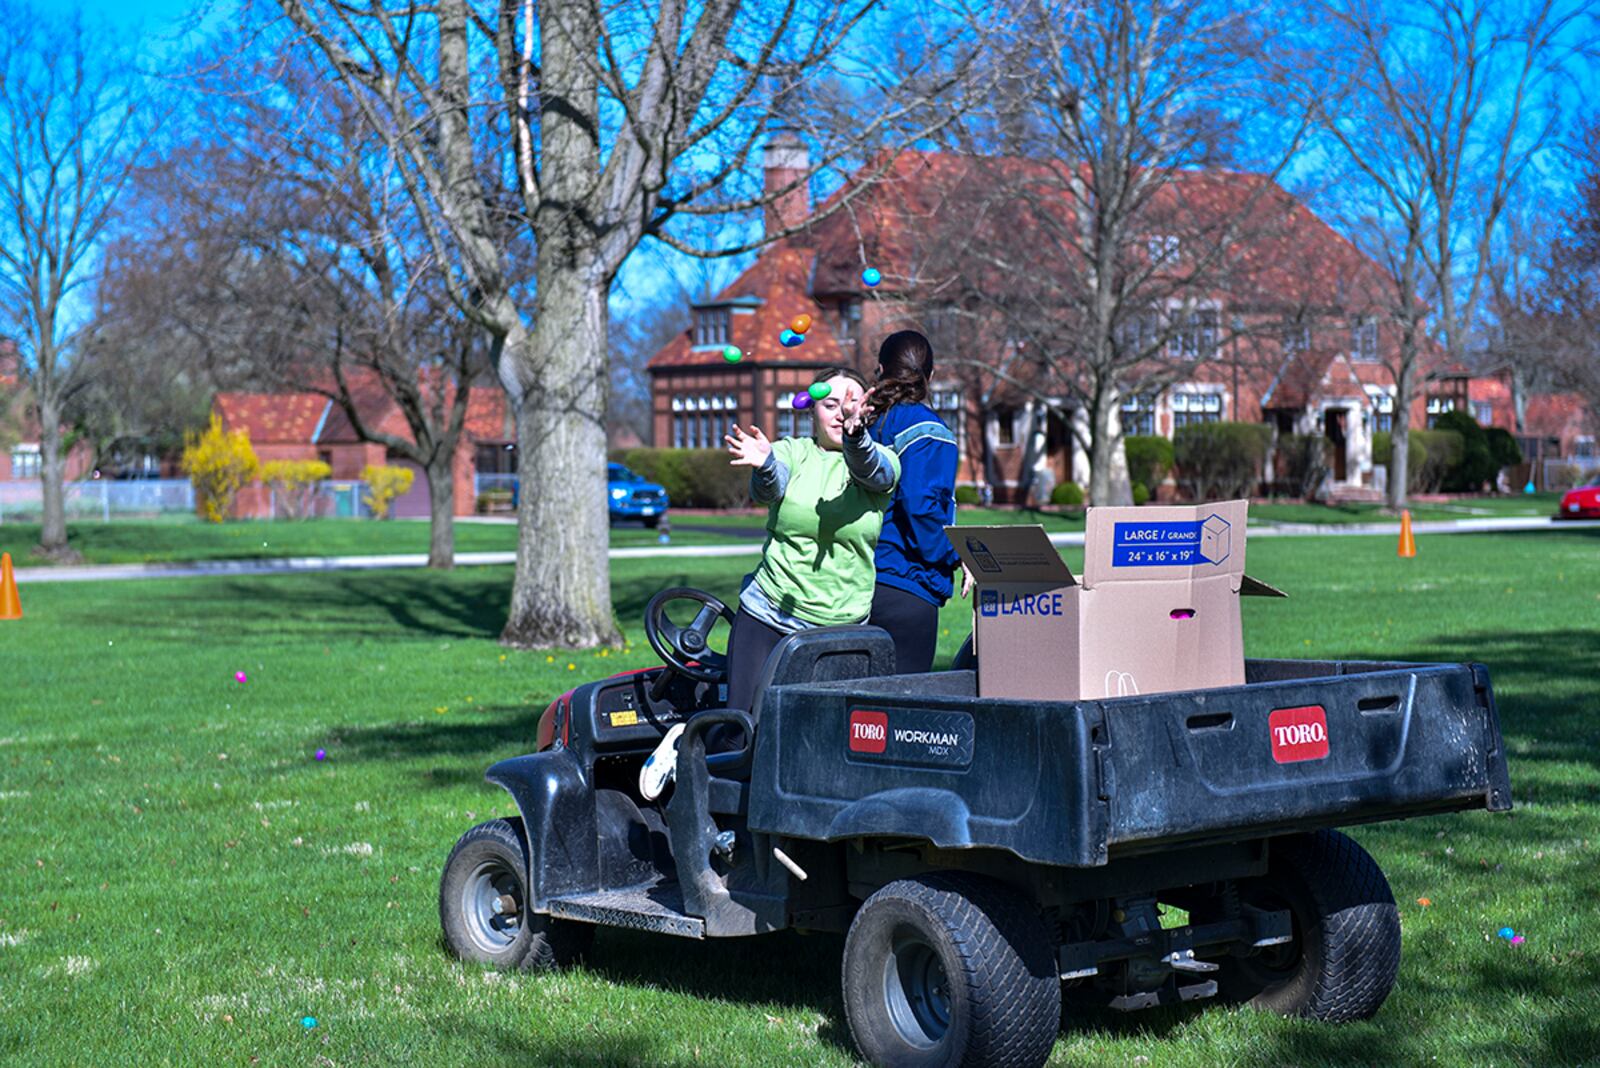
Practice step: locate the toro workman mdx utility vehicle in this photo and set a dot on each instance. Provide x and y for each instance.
(984, 858)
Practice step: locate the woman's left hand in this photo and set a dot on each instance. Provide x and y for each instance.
(856, 411)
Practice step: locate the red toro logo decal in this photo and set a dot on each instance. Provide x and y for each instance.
(1298, 734)
(869, 732)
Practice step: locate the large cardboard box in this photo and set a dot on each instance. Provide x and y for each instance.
(1156, 609)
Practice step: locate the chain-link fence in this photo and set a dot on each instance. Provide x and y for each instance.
(333, 499)
(99, 498)
(1562, 475)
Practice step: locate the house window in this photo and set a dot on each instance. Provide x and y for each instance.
(849, 322)
(1382, 412)
(1163, 248)
(25, 462)
(1437, 406)
(711, 326)
(1138, 333)
(699, 421)
(1583, 447)
(1194, 335)
(1483, 413)
(1364, 340)
(1005, 427)
(1139, 414)
(792, 424)
(947, 403)
(1190, 408)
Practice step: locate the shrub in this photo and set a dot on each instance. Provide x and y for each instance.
(1416, 453)
(1503, 448)
(293, 482)
(1441, 452)
(219, 463)
(384, 484)
(1141, 493)
(1476, 465)
(693, 478)
(1220, 460)
(1303, 463)
(967, 495)
(1149, 458)
(1069, 494)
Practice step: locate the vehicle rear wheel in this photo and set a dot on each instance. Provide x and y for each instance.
(483, 905)
(948, 969)
(1345, 954)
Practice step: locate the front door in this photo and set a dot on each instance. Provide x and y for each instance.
(1338, 447)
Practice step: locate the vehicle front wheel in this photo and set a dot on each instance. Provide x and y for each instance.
(947, 970)
(1345, 954)
(651, 522)
(483, 905)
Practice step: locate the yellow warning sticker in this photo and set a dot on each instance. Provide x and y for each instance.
(624, 719)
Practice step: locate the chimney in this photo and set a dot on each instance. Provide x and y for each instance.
(786, 162)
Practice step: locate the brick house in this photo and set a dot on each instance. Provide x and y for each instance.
(22, 460)
(1296, 341)
(309, 426)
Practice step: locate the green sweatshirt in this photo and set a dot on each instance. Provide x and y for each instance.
(822, 532)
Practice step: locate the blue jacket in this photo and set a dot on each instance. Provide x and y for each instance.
(913, 553)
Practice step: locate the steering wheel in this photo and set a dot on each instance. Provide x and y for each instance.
(684, 649)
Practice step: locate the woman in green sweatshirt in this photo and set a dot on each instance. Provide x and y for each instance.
(825, 498)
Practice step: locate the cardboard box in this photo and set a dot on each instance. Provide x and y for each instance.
(1156, 609)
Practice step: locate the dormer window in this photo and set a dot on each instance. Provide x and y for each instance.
(849, 321)
(1163, 248)
(711, 326)
(1364, 340)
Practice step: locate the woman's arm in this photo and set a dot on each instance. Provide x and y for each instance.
(770, 478)
(872, 466)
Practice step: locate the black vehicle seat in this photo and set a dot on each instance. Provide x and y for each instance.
(822, 654)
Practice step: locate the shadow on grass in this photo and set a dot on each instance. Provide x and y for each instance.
(494, 732)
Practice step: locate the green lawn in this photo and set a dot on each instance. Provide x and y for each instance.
(134, 541)
(180, 882)
(139, 541)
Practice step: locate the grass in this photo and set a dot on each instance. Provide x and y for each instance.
(180, 882)
(138, 541)
(168, 540)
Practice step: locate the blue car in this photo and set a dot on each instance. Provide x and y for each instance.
(631, 497)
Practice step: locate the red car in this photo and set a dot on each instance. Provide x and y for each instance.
(1580, 503)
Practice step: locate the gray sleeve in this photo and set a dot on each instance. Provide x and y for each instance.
(769, 481)
(872, 465)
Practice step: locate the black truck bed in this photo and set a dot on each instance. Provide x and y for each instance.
(1078, 783)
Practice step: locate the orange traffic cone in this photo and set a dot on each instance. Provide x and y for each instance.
(10, 603)
(1408, 544)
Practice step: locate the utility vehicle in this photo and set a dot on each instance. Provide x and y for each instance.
(984, 858)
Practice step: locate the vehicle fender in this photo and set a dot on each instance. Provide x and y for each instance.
(558, 816)
(913, 812)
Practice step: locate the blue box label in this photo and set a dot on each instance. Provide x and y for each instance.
(1173, 544)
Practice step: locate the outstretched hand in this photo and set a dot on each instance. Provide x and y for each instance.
(967, 581)
(747, 450)
(856, 410)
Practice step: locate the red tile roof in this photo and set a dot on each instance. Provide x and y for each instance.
(273, 418)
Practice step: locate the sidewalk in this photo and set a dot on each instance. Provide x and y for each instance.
(294, 564)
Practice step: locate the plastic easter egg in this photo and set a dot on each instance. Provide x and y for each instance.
(871, 276)
(800, 324)
(819, 390)
(732, 354)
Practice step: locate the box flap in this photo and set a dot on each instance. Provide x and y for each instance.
(1010, 554)
(1172, 543)
(1249, 587)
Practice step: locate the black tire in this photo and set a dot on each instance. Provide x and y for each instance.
(1346, 949)
(489, 865)
(651, 522)
(949, 969)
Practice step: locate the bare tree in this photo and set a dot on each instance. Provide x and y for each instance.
(592, 128)
(72, 134)
(1095, 251)
(1562, 318)
(1440, 108)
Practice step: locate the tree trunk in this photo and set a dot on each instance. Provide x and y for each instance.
(52, 476)
(1108, 465)
(1400, 435)
(562, 592)
(441, 513)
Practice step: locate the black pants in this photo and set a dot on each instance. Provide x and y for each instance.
(913, 624)
(749, 644)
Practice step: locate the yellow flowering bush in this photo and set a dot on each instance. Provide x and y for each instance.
(384, 484)
(293, 482)
(219, 463)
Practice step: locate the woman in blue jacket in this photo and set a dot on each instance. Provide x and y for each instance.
(914, 558)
